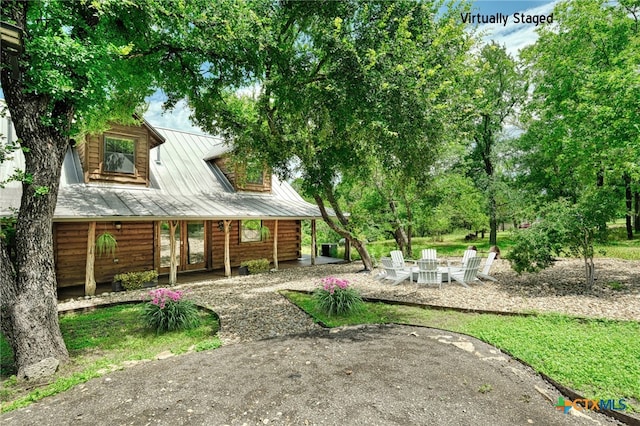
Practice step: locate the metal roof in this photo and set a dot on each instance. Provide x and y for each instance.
(184, 185)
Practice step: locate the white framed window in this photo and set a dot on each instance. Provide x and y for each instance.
(119, 155)
(254, 172)
(250, 231)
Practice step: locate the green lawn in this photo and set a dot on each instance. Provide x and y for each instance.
(599, 359)
(452, 245)
(101, 341)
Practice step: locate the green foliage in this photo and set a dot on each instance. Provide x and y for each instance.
(533, 250)
(564, 228)
(356, 86)
(106, 244)
(136, 280)
(485, 388)
(168, 310)
(336, 297)
(256, 266)
(499, 90)
(579, 129)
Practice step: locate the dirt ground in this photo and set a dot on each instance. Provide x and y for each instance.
(390, 375)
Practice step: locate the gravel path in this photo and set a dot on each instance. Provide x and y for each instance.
(251, 309)
(362, 375)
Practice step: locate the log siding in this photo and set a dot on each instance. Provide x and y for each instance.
(138, 250)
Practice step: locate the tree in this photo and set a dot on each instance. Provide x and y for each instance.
(565, 227)
(82, 65)
(340, 88)
(583, 128)
(500, 88)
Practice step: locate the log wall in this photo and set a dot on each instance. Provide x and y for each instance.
(289, 237)
(134, 252)
(136, 249)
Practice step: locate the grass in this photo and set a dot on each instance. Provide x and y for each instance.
(454, 245)
(99, 342)
(598, 358)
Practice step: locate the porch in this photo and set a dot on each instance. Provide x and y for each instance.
(65, 293)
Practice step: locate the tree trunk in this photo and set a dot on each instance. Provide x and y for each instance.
(399, 233)
(341, 227)
(409, 228)
(636, 216)
(401, 240)
(493, 225)
(347, 250)
(590, 269)
(28, 304)
(629, 205)
(487, 142)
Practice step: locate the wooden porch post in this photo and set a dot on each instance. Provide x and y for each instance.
(275, 245)
(227, 257)
(313, 242)
(89, 275)
(173, 266)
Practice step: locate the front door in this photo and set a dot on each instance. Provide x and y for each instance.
(195, 243)
(191, 245)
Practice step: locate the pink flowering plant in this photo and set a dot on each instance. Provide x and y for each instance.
(336, 297)
(168, 310)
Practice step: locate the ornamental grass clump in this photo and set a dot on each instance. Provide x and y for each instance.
(336, 297)
(168, 310)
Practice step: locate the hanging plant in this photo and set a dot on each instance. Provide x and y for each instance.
(265, 233)
(106, 244)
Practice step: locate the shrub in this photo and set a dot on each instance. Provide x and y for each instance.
(168, 311)
(256, 266)
(136, 280)
(336, 297)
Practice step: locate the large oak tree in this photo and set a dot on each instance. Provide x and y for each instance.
(81, 65)
(342, 89)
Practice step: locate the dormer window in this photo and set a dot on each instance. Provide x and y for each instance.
(254, 172)
(119, 155)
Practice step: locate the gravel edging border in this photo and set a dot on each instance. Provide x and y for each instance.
(564, 390)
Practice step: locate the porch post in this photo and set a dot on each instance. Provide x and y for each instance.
(275, 245)
(173, 265)
(227, 257)
(89, 275)
(313, 242)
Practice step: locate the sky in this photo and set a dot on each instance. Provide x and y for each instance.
(514, 36)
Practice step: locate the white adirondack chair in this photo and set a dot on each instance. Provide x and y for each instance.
(487, 266)
(383, 272)
(467, 255)
(428, 272)
(468, 273)
(428, 254)
(393, 272)
(398, 258)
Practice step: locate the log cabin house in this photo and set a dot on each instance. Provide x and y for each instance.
(144, 184)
